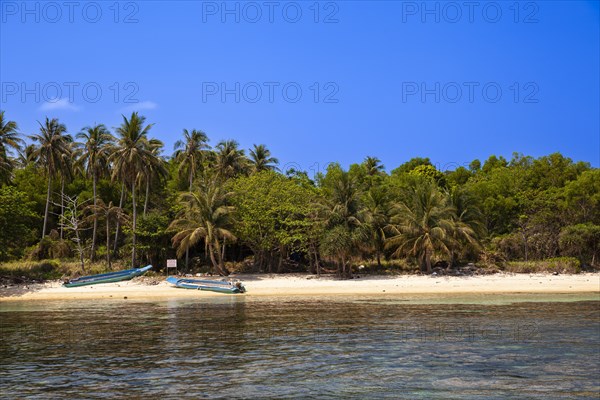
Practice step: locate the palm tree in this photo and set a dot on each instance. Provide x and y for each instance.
(422, 225)
(9, 137)
(376, 212)
(189, 154)
(109, 213)
(206, 215)
(95, 150)
(373, 166)
(131, 156)
(342, 212)
(26, 155)
(68, 168)
(53, 153)
(229, 159)
(469, 223)
(261, 160)
(155, 169)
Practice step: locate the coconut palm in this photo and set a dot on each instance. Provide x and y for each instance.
(9, 137)
(95, 149)
(342, 212)
(155, 168)
(376, 213)
(373, 166)
(229, 159)
(422, 225)
(130, 157)
(53, 153)
(68, 169)
(109, 213)
(189, 153)
(469, 223)
(118, 227)
(26, 155)
(206, 215)
(261, 160)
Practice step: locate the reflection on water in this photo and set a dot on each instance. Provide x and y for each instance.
(236, 347)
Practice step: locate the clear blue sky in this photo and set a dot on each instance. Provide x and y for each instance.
(378, 67)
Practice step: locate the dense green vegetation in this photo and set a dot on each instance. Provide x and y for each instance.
(101, 197)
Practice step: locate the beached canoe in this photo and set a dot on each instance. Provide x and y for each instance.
(108, 277)
(212, 286)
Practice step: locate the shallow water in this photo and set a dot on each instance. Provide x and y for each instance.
(446, 347)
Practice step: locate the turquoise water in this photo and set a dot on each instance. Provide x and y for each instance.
(419, 347)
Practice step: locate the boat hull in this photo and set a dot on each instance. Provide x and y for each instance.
(210, 286)
(108, 277)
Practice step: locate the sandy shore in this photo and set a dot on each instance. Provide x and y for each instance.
(298, 285)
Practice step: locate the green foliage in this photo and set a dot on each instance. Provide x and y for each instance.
(581, 241)
(17, 216)
(337, 243)
(429, 172)
(423, 226)
(272, 215)
(582, 197)
(205, 216)
(9, 139)
(30, 181)
(411, 164)
(20, 271)
(458, 177)
(38, 270)
(50, 246)
(525, 209)
(562, 265)
(154, 238)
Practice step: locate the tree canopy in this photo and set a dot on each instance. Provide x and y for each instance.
(225, 204)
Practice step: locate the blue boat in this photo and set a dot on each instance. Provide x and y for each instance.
(211, 286)
(108, 277)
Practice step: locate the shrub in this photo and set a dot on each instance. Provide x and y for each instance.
(564, 265)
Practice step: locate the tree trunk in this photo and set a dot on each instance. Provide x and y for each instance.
(108, 240)
(147, 194)
(280, 259)
(428, 261)
(347, 269)
(118, 221)
(525, 245)
(80, 249)
(62, 204)
(212, 259)
(317, 262)
(378, 259)
(222, 269)
(47, 206)
(134, 224)
(187, 251)
(93, 249)
(223, 250)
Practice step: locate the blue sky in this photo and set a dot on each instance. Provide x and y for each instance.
(335, 81)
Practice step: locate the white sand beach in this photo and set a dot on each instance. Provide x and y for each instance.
(299, 285)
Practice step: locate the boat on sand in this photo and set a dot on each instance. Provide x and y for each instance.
(117, 276)
(212, 286)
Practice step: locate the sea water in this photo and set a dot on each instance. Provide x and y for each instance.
(408, 347)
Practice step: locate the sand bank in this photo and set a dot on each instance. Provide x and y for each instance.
(298, 285)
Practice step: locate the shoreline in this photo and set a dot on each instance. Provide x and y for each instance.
(309, 285)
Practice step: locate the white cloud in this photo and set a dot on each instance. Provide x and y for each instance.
(60, 104)
(141, 106)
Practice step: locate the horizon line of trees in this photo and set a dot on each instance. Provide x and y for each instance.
(206, 205)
